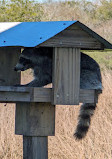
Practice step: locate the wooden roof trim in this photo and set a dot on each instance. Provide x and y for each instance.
(95, 35)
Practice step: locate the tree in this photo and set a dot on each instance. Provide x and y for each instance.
(20, 10)
(104, 11)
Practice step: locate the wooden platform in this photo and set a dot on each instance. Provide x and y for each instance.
(10, 94)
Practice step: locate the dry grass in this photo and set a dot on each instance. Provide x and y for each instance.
(97, 144)
(10, 144)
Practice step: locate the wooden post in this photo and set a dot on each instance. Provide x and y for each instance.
(35, 147)
(66, 76)
(8, 58)
(35, 121)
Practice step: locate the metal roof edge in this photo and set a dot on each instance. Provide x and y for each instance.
(95, 35)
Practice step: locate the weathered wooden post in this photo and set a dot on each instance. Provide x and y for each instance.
(35, 107)
(8, 58)
(35, 121)
(66, 84)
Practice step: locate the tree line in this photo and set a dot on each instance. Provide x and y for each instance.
(26, 10)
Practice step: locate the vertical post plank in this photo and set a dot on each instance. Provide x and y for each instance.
(35, 147)
(66, 73)
(8, 59)
(35, 119)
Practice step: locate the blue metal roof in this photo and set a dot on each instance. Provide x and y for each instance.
(31, 34)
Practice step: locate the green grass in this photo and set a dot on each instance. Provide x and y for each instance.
(104, 58)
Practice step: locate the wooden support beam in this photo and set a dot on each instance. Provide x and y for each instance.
(8, 59)
(87, 96)
(42, 95)
(35, 119)
(35, 147)
(66, 76)
(24, 94)
(11, 94)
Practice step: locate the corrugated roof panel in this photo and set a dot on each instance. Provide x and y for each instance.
(31, 34)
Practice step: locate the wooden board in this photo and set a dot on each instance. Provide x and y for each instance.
(42, 95)
(66, 76)
(74, 36)
(35, 147)
(87, 96)
(35, 119)
(8, 59)
(24, 94)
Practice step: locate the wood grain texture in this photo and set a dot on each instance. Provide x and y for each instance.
(25, 94)
(8, 59)
(66, 76)
(35, 147)
(11, 94)
(73, 36)
(35, 119)
(87, 96)
(42, 95)
(14, 97)
(14, 89)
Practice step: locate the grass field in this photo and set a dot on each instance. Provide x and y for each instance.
(98, 142)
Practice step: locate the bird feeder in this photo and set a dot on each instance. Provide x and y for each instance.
(35, 107)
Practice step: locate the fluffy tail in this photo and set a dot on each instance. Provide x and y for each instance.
(84, 119)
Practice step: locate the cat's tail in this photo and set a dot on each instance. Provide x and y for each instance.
(84, 119)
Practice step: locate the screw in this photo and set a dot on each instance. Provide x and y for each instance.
(67, 95)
